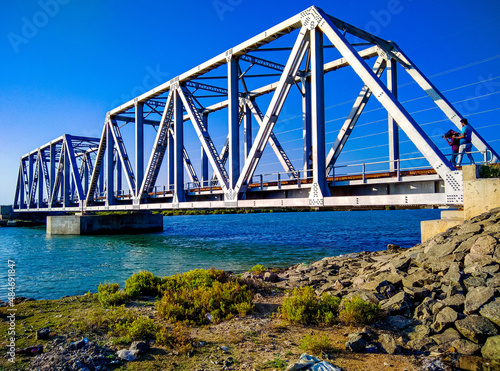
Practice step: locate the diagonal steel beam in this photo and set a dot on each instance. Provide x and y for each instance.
(74, 167)
(122, 155)
(431, 152)
(442, 102)
(286, 81)
(159, 148)
(273, 141)
(204, 136)
(352, 118)
(57, 180)
(98, 164)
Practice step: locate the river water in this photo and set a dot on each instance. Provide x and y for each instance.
(49, 267)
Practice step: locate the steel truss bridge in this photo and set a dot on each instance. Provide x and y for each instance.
(73, 173)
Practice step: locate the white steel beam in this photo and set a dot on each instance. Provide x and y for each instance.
(274, 109)
(393, 130)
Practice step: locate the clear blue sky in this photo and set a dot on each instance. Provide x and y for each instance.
(65, 63)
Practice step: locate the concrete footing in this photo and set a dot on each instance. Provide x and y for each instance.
(449, 219)
(104, 224)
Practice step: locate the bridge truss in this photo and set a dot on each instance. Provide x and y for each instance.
(76, 173)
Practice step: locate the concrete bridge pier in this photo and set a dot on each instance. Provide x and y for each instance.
(79, 224)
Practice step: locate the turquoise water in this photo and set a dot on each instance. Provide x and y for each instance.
(49, 267)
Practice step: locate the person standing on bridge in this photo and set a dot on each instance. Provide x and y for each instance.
(465, 142)
(452, 139)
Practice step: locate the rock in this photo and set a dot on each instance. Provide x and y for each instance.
(355, 343)
(418, 279)
(417, 293)
(444, 318)
(491, 349)
(466, 347)
(471, 363)
(419, 332)
(448, 336)
(337, 285)
(423, 313)
(493, 281)
(472, 282)
(477, 259)
(470, 228)
(78, 344)
(397, 322)
(453, 276)
(484, 245)
(491, 311)
(440, 250)
(476, 297)
(455, 302)
(141, 346)
(398, 303)
(271, 277)
(388, 344)
(127, 355)
(420, 345)
(433, 364)
(476, 328)
(43, 333)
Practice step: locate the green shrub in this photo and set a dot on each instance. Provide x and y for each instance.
(176, 336)
(305, 307)
(359, 311)
(315, 344)
(203, 296)
(276, 363)
(109, 295)
(489, 171)
(135, 328)
(103, 319)
(142, 284)
(257, 269)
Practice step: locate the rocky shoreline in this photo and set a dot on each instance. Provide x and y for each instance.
(441, 296)
(441, 304)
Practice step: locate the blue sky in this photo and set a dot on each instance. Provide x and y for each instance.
(65, 63)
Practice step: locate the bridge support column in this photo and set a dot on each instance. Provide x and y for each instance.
(31, 172)
(319, 187)
(170, 161)
(85, 175)
(119, 181)
(40, 181)
(393, 130)
(110, 184)
(306, 125)
(52, 171)
(233, 120)
(66, 179)
(139, 146)
(178, 151)
(204, 158)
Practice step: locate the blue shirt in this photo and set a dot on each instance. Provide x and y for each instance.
(467, 130)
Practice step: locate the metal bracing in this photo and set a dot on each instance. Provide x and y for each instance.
(352, 118)
(442, 102)
(274, 109)
(76, 169)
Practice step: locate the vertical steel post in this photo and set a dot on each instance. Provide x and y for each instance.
(40, 181)
(393, 130)
(178, 149)
(110, 184)
(52, 170)
(204, 158)
(247, 127)
(319, 187)
(233, 120)
(170, 161)
(31, 172)
(306, 124)
(66, 177)
(139, 145)
(85, 179)
(119, 178)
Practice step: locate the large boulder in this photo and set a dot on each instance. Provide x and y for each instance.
(492, 311)
(476, 328)
(491, 349)
(477, 297)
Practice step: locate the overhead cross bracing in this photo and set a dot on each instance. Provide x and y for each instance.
(251, 84)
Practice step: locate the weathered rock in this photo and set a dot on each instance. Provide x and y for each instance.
(471, 282)
(448, 336)
(453, 276)
(140, 346)
(466, 347)
(439, 250)
(491, 349)
(398, 303)
(484, 245)
(491, 311)
(355, 343)
(477, 259)
(476, 328)
(493, 281)
(423, 312)
(418, 278)
(476, 297)
(455, 302)
(271, 277)
(419, 332)
(471, 363)
(444, 318)
(470, 228)
(417, 293)
(387, 344)
(421, 345)
(397, 322)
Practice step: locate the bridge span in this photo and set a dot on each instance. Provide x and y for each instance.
(249, 92)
